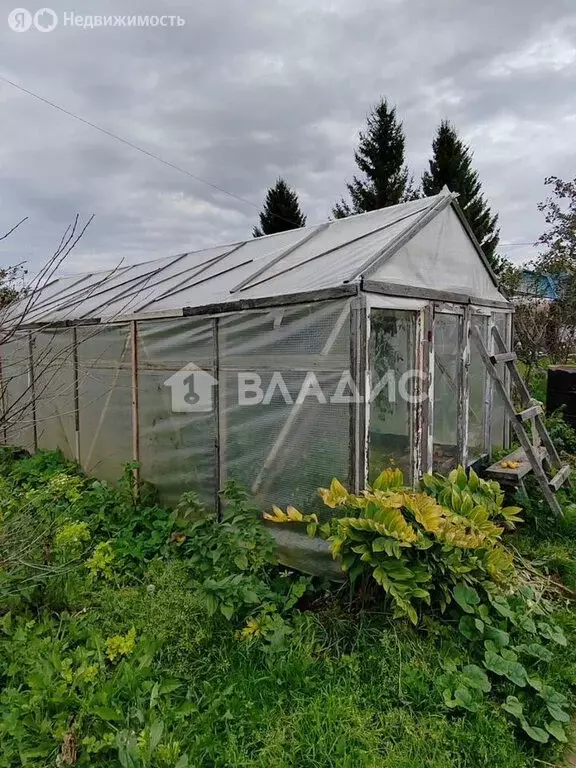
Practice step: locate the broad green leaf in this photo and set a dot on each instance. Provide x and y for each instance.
(535, 733)
(466, 597)
(227, 610)
(495, 663)
(467, 627)
(552, 632)
(475, 677)
(516, 673)
(557, 730)
(156, 731)
(513, 706)
(536, 650)
(536, 683)
(558, 714)
(168, 686)
(527, 624)
(498, 636)
(107, 713)
(461, 698)
(552, 696)
(502, 606)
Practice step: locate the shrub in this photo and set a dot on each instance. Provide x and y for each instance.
(417, 546)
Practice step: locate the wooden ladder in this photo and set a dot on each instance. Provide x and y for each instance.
(539, 448)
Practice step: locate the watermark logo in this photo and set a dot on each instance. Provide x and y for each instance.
(46, 20)
(191, 390)
(20, 20)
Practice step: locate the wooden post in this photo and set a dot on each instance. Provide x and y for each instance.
(509, 344)
(360, 369)
(488, 395)
(32, 389)
(76, 395)
(135, 407)
(464, 386)
(428, 411)
(3, 403)
(419, 408)
(218, 442)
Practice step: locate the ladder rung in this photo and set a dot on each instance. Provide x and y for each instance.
(534, 410)
(560, 478)
(503, 357)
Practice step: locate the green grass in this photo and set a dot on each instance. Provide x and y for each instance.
(346, 689)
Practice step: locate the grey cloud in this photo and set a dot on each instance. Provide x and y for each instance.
(245, 92)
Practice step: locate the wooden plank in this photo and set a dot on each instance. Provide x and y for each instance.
(414, 292)
(523, 439)
(511, 476)
(246, 283)
(560, 478)
(529, 413)
(305, 297)
(504, 357)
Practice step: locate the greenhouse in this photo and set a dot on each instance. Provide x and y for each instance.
(283, 361)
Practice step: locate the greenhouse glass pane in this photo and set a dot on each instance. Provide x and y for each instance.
(446, 355)
(392, 358)
(477, 378)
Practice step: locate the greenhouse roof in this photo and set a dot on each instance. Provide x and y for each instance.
(418, 248)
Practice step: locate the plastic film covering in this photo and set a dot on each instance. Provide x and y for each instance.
(446, 355)
(476, 405)
(442, 257)
(17, 393)
(105, 395)
(53, 353)
(177, 448)
(282, 434)
(392, 358)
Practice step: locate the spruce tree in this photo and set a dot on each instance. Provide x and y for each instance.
(380, 157)
(281, 211)
(451, 165)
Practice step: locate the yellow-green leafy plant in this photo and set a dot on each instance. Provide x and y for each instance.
(121, 645)
(410, 543)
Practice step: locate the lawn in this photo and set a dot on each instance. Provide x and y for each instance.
(132, 635)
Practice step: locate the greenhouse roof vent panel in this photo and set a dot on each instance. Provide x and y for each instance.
(423, 244)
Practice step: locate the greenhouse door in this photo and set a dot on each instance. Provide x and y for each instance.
(397, 372)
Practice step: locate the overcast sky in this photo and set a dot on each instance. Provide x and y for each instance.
(245, 91)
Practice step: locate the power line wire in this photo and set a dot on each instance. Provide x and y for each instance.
(131, 144)
(167, 163)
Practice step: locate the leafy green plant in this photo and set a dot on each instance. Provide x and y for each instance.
(512, 646)
(415, 548)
